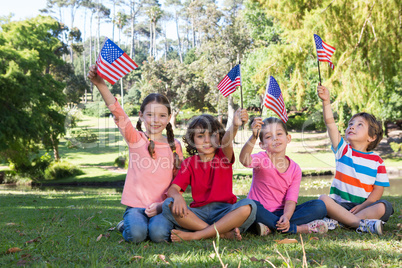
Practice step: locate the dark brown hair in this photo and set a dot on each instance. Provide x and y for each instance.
(203, 122)
(272, 120)
(374, 129)
(160, 99)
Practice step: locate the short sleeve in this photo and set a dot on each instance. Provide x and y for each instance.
(256, 161)
(183, 177)
(340, 150)
(382, 176)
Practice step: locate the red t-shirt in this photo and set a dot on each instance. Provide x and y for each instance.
(210, 181)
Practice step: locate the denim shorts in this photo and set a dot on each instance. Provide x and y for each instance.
(388, 207)
(213, 212)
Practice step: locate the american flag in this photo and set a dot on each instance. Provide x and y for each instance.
(273, 99)
(228, 84)
(113, 63)
(324, 51)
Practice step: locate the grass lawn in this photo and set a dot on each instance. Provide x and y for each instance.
(71, 228)
(64, 228)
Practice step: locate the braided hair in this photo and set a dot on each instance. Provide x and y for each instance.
(160, 99)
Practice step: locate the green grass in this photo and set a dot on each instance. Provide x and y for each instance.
(61, 229)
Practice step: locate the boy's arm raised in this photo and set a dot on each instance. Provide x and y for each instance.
(101, 85)
(245, 154)
(329, 120)
(239, 117)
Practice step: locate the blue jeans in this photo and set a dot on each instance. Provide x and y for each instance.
(138, 226)
(213, 212)
(304, 213)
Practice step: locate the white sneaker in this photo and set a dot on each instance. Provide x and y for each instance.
(370, 226)
(120, 226)
(331, 223)
(317, 226)
(262, 229)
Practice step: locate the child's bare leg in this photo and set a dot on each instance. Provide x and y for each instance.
(374, 212)
(226, 226)
(339, 213)
(191, 222)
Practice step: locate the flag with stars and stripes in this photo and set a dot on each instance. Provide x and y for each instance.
(324, 51)
(228, 84)
(113, 63)
(273, 99)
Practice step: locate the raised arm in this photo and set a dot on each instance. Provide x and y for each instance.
(101, 85)
(329, 120)
(239, 117)
(245, 154)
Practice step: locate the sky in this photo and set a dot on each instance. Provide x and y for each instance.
(23, 9)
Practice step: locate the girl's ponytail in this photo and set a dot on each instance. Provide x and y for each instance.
(151, 146)
(170, 138)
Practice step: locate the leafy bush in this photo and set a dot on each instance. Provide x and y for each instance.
(396, 147)
(59, 170)
(84, 136)
(28, 167)
(131, 109)
(96, 109)
(121, 161)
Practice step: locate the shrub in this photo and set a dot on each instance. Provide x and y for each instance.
(121, 161)
(59, 170)
(96, 109)
(396, 147)
(131, 109)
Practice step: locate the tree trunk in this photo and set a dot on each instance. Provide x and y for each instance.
(132, 52)
(55, 145)
(178, 37)
(173, 120)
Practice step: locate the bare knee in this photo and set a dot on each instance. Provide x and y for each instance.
(244, 210)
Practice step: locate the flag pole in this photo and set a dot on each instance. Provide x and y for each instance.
(241, 87)
(319, 73)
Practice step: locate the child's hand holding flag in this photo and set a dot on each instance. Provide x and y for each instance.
(113, 63)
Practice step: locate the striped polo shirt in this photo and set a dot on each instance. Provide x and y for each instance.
(356, 174)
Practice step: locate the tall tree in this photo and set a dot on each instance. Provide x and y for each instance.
(30, 99)
(366, 36)
(177, 6)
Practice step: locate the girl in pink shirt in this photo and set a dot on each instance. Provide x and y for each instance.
(153, 161)
(276, 182)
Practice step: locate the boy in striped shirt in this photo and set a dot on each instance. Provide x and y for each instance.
(360, 178)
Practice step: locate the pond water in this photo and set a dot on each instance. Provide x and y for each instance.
(310, 186)
(320, 185)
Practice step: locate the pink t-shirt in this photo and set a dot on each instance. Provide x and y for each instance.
(270, 187)
(210, 181)
(147, 179)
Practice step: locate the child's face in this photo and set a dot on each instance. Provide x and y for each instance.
(205, 142)
(357, 131)
(155, 117)
(274, 138)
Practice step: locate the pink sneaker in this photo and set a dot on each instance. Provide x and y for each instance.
(317, 226)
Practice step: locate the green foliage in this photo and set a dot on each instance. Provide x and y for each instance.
(367, 57)
(396, 147)
(60, 170)
(131, 109)
(96, 109)
(84, 136)
(31, 98)
(29, 166)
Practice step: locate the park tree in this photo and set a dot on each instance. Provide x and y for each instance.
(182, 85)
(31, 100)
(366, 36)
